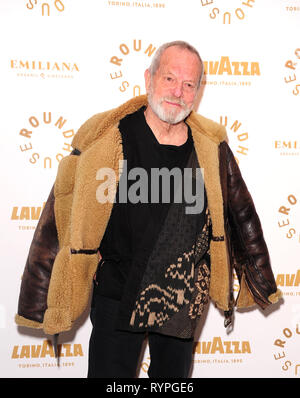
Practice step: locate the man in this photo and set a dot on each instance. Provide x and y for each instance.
(159, 259)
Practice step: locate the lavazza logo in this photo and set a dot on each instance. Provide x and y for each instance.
(143, 5)
(289, 283)
(218, 351)
(229, 72)
(292, 6)
(42, 355)
(227, 12)
(26, 216)
(46, 8)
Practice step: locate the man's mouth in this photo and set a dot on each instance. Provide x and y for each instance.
(174, 102)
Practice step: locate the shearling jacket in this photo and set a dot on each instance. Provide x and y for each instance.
(63, 258)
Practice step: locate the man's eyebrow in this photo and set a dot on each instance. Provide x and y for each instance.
(171, 73)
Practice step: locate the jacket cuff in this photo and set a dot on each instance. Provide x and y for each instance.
(57, 320)
(274, 297)
(21, 321)
(70, 287)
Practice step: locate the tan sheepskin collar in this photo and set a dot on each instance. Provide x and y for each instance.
(101, 122)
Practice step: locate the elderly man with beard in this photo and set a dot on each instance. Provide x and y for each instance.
(157, 258)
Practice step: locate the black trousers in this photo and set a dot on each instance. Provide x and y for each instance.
(115, 353)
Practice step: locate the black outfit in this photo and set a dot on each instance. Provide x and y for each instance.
(141, 246)
(132, 228)
(116, 353)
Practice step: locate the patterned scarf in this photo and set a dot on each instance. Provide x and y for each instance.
(174, 288)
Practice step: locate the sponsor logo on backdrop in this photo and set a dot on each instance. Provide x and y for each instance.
(292, 73)
(286, 351)
(43, 355)
(227, 12)
(215, 352)
(289, 284)
(26, 216)
(288, 219)
(137, 4)
(287, 147)
(125, 78)
(26, 212)
(239, 135)
(46, 8)
(219, 351)
(292, 6)
(44, 69)
(229, 72)
(224, 71)
(45, 139)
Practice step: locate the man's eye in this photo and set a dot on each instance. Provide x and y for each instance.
(189, 85)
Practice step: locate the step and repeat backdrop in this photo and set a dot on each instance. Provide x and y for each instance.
(63, 61)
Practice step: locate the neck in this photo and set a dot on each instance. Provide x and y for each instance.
(166, 133)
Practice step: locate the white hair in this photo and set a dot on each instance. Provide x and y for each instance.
(179, 43)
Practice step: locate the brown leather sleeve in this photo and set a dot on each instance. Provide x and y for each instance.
(249, 247)
(38, 268)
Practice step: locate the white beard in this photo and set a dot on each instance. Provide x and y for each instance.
(168, 116)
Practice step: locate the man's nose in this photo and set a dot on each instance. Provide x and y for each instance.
(177, 90)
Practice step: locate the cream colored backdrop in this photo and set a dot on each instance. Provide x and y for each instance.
(65, 60)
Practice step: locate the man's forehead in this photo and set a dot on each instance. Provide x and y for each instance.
(177, 53)
(176, 57)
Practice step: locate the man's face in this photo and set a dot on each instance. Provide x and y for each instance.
(173, 88)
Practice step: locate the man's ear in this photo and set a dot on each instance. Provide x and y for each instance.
(147, 76)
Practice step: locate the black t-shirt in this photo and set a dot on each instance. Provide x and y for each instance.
(132, 227)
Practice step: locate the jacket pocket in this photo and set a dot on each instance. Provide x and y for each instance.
(97, 274)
